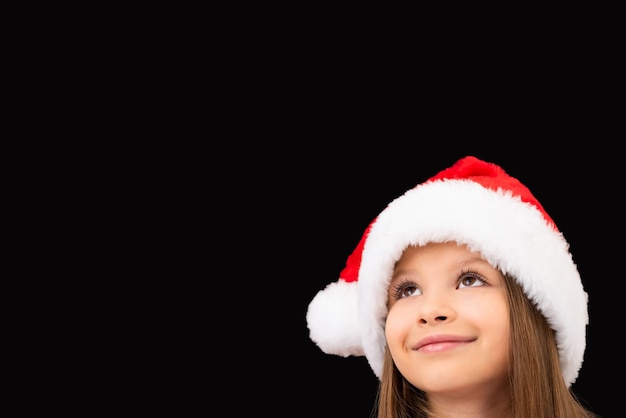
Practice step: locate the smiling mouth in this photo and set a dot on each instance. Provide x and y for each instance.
(442, 346)
(439, 343)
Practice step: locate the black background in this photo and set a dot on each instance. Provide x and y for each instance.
(269, 160)
(317, 200)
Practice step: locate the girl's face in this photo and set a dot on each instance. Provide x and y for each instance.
(448, 322)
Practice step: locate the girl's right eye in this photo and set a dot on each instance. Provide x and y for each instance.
(404, 290)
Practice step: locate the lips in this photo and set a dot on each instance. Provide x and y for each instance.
(442, 341)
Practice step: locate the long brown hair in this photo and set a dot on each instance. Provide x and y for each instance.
(535, 380)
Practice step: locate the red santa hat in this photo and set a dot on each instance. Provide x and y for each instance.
(475, 203)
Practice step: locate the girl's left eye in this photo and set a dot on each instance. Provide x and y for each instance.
(471, 279)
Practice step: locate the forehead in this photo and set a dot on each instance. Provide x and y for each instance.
(440, 257)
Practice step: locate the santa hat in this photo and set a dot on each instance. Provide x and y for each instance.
(475, 203)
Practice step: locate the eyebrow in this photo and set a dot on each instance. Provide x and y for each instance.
(474, 259)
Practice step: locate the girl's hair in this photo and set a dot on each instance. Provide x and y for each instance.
(536, 384)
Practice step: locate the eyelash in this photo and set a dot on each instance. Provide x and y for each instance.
(404, 284)
(473, 274)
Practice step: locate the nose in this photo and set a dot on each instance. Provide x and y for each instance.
(436, 319)
(435, 309)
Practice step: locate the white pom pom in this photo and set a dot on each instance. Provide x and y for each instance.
(333, 322)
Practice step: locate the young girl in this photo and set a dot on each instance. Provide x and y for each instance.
(464, 298)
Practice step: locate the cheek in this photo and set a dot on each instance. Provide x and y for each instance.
(492, 316)
(397, 328)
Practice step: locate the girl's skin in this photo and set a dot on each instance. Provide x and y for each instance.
(445, 292)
